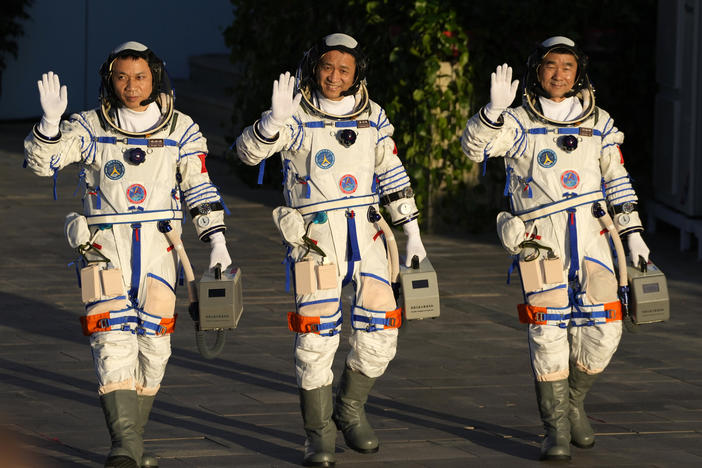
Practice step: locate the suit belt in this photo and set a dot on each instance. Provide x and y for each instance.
(560, 206)
(137, 217)
(338, 204)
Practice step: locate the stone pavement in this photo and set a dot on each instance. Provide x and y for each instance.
(459, 393)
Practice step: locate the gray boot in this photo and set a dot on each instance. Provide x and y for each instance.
(316, 406)
(553, 407)
(120, 409)
(144, 403)
(581, 432)
(349, 412)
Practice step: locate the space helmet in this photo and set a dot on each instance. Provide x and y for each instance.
(306, 75)
(581, 87)
(162, 91)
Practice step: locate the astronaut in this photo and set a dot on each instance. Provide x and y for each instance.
(339, 162)
(141, 163)
(562, 161)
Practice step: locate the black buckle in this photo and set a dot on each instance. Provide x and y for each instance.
(373, 215)
(406, 192)
(136, 156)
(346, 137)
(568, 143)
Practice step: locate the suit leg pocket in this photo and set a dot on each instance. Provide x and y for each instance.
(600, 283)
(158, 317)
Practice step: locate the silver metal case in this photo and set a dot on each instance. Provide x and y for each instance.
(221, 300)
(649, 294)
(420, 291)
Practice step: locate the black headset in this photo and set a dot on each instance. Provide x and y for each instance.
(531, 78)
(307, 68)
(160, 82)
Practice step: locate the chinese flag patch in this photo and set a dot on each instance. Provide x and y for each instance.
(202, 160)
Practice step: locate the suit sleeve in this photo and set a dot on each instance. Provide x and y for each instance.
(619, 191)
(199, 194)
(252, 147)
(392, 179)
(483, 139)
(74, 143)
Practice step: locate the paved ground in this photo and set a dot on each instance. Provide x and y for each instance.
(459, 393)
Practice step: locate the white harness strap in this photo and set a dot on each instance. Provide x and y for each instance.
(138, 217)
(340, 203)
(560, 206)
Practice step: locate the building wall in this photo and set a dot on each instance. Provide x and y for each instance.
(677, 166)
(74, 37)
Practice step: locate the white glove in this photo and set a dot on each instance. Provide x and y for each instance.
(290, 223)
(414, 242)
(283, 105)
(502, 93)
(54, 99)
(637, 247)
(511, 231)
(219, 252)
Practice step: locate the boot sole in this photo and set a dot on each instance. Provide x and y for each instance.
(121, 461)
(582, 446)
(365, 451)
(555, 458)
(322, 464)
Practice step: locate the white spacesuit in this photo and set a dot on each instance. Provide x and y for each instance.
(562, 157)
(339, 161)
(140, 161)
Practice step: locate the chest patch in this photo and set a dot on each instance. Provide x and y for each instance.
(570, 179)
(546, 158)
(136, 193)
(324, 159)
(348, 184)
(114, 169)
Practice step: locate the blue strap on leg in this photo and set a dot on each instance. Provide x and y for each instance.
(354, 253)
(135, 263)
(573, 238)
